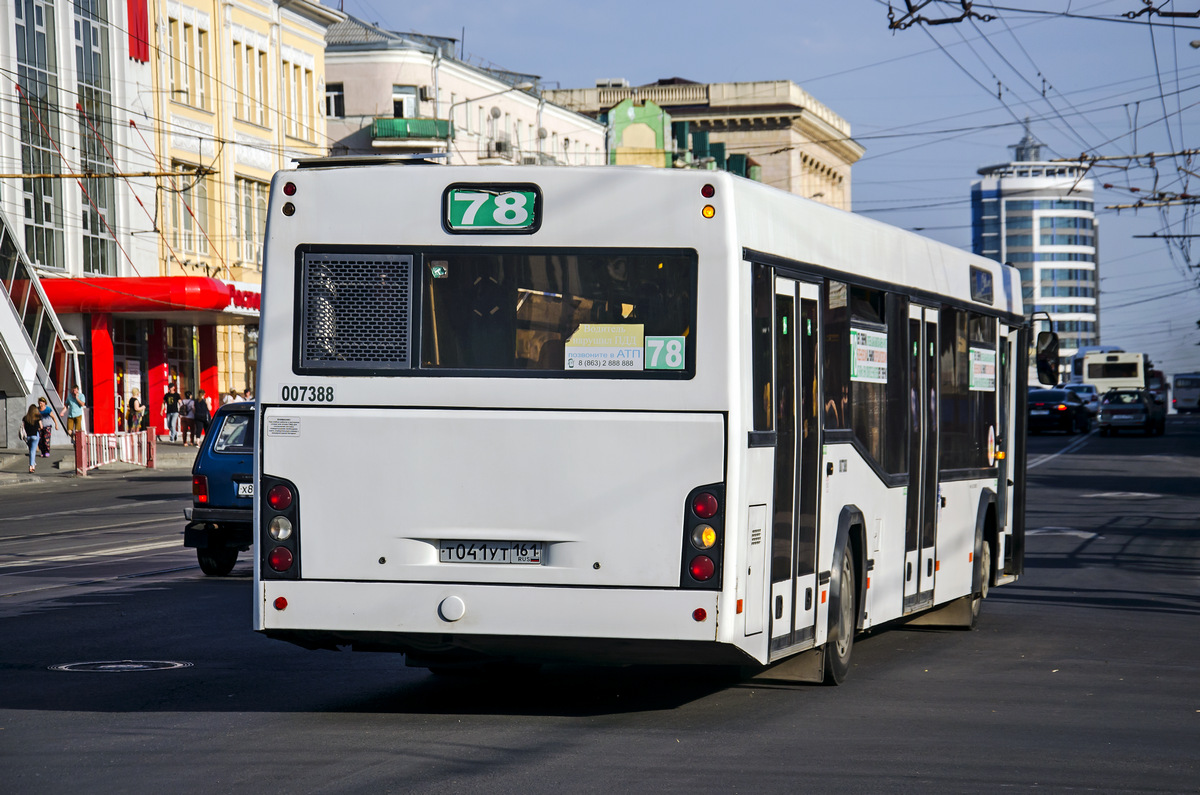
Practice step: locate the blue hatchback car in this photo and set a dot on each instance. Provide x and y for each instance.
(221, 519)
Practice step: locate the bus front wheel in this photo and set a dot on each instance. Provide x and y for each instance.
(842, 620)
(985, 580)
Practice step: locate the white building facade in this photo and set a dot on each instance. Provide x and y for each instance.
(1040, 217)
(406, 93)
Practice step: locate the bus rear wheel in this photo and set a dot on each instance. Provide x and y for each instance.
(842, 621)
(216, 562)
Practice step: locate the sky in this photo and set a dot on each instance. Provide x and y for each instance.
(932, 104)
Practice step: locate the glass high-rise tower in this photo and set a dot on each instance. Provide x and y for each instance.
(1040, 216)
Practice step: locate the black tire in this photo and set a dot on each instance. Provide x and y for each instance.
(216, 562)
(843, 620)
(984, 583)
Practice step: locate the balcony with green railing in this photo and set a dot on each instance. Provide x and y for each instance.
(386, 130)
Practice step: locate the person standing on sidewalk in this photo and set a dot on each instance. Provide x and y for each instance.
(133, 417)
(46, 416)
(170, 410)
(31, 427)
(203, 415)
(187, 416)
(73, 411)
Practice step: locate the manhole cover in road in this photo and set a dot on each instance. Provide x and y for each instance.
(1123, 495)
(121, 666)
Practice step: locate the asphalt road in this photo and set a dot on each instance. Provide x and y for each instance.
(1083, 676)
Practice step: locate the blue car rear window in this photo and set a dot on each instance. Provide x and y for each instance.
(236, 434)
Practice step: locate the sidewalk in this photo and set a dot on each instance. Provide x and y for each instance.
(14, 464)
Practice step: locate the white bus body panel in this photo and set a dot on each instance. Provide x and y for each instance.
(582, 483)
(515, 611)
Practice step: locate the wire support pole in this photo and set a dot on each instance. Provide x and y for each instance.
(182, 200)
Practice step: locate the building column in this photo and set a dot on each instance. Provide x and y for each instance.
(103, 397)
(156, 378)
(209, 379)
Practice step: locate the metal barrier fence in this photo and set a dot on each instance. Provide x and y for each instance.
(97, 449)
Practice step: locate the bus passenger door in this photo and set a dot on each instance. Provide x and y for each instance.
(1004, 447)
(793, 525)
(923, 499)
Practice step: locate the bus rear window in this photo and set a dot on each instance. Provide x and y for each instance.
(609, 313)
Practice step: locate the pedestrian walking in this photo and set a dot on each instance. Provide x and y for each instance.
(187, 418)
(133, 416)
(203, 415)
(73, 411)
(47, 422)
(170, 411)
(31, 431)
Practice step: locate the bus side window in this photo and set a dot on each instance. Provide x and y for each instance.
(761, 313)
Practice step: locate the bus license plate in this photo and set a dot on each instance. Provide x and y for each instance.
(490, 552)
(245, 489)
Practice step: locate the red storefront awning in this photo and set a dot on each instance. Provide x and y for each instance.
(183, 299)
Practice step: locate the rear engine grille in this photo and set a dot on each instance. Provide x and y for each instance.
(355, 311)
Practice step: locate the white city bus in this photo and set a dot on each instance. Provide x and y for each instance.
(1187, 392)
(1116, 370)
(624, 416)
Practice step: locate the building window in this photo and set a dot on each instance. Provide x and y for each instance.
(297, 104)
(95, 136)
(188, 72)
(250, 80)
(404, 102)
(335, 101)
(189, 210)
(250, 219)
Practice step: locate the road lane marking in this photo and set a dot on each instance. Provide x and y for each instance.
(1072, 447)
(119, 525)
(106, 509)
(1062, 531)
(1124, 495)
(99, 553)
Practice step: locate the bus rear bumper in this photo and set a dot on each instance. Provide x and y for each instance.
(442, 622)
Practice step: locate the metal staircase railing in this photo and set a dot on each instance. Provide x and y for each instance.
(56, 352)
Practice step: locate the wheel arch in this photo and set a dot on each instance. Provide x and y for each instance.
(986, 532)
(851, 535)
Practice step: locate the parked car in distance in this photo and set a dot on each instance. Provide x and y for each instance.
(1088, 394)
(1135, 409)
(1058, 410)
(221, 519)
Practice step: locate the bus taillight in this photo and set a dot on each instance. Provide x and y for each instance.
(705, 505)
(280, 497)
(279, 528)
(703, 538)
(280, 559)
(702, 568)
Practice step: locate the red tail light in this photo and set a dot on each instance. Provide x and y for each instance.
(280, 559)
(705, 505)
(702, 568)
(200, 489)
(1061, 407)
(279, 497)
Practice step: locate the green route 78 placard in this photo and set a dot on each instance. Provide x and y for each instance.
(496, 208)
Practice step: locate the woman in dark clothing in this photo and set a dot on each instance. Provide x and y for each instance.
(46, 416)
(203, 415)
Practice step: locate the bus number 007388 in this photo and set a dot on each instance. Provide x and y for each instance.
(306, 394)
